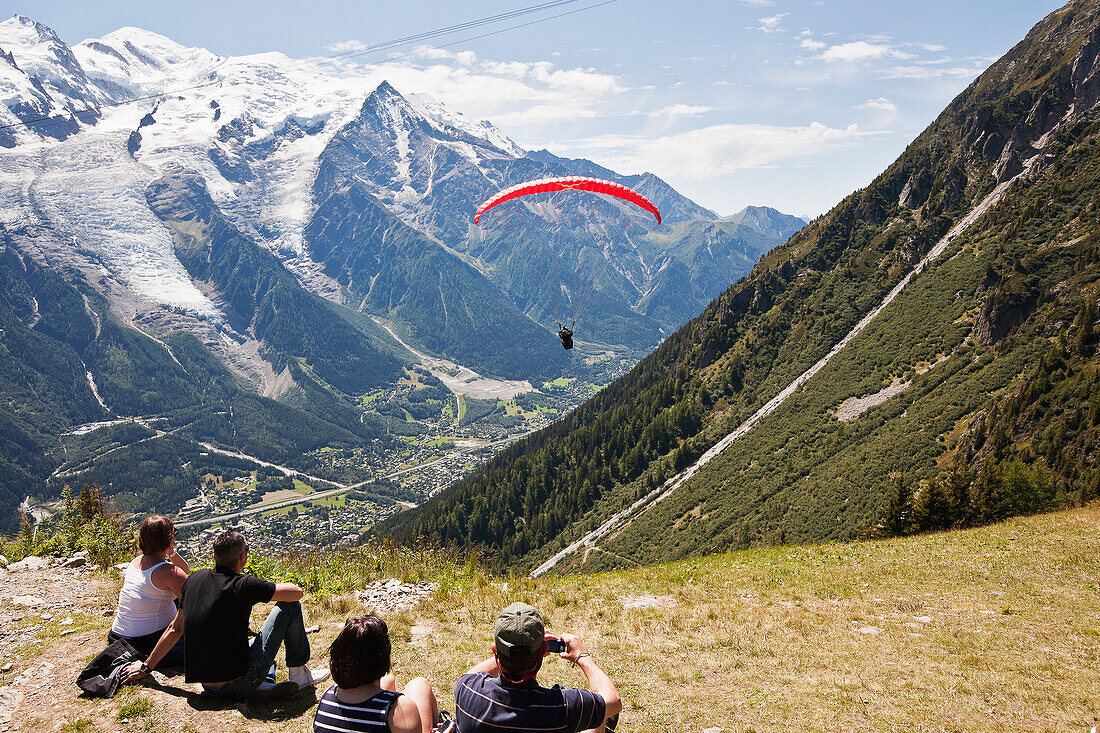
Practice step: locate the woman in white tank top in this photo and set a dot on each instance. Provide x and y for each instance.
(150, 586)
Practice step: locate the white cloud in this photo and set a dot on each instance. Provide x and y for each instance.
(717, 150)
(924, 72)
(509, 93)
(345, 46)
(860, 51)
(758, 3)
(881, 104)
(772, 23)
(682, 110)
(806, 40)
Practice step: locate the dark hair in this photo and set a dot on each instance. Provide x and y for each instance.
(360, 653)
(520, 663)
(155, 534)
(228, 548)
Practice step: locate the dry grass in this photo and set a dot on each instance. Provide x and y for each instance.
(988, 629)
(984, 630)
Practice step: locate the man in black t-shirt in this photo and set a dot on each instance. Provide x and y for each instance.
(215, 610)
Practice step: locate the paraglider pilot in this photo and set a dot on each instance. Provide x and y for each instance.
(565, 333)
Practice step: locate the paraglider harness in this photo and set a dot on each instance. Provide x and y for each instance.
(565, 333)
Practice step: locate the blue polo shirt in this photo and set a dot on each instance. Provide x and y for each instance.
(486, 704)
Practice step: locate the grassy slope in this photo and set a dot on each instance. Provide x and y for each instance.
(979, 630)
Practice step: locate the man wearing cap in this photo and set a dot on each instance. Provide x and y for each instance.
(501, 693)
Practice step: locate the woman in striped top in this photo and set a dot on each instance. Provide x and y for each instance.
(365, 697)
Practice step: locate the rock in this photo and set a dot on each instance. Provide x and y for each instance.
(312, 629)
(923, 619)
(393, 595)
(647, 601)
(31, 562)
(75, 561)
(28, 601)
(7, 667)
(871, 630)
(66, 632)
(3, 561)
(67, 621)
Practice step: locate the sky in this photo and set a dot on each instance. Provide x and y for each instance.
(785, 103)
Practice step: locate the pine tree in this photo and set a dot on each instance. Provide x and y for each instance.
(989, 503)
(897, 507)
(958, 496)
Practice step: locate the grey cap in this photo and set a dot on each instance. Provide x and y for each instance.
(519, 631)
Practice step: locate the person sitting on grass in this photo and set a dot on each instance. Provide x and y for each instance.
(365, 695)
(215, 612)
(151, 584)
(501, 693)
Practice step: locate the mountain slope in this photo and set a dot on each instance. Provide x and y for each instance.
(261, 297)
(69, 365)
(440, 303)
(1026, 269)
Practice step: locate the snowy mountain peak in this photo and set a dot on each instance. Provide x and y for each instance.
(133, 61)
(36, 47)
(443, 116)
(22, 27)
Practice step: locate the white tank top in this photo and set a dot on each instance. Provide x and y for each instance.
(143, 608)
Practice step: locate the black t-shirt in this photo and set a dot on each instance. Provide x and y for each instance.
(216, 607)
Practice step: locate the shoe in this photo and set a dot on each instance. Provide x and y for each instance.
(272, 691)
(305, 677)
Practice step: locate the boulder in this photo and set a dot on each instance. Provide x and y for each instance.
(75, 561)
(31, 562)
(28, 601)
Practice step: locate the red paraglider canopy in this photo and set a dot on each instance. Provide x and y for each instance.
(572, 183)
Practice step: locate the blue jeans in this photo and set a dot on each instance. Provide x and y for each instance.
(284, 626)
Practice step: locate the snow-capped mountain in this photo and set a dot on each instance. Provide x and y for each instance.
(182, 220)
(259, 130)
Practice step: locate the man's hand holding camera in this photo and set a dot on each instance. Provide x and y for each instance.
(571, 647)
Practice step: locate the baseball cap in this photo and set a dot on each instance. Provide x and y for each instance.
(519, 631)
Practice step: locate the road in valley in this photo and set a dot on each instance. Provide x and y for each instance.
(339, 488)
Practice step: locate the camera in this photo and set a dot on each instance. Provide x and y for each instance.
(557, 646)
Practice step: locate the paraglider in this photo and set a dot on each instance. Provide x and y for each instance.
(570, 183)
(565, 333)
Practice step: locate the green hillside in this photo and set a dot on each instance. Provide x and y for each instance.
(995, 343)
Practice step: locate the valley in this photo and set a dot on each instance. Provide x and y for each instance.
(279, 264)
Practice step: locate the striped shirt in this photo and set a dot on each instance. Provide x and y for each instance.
(370, 716)
(487, 704)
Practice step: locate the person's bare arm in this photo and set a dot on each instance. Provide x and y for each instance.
(489, 665)
(287, 592)
(598, 681)
(170, 578)
(132, 671)
(405, 717)
(179, 562)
